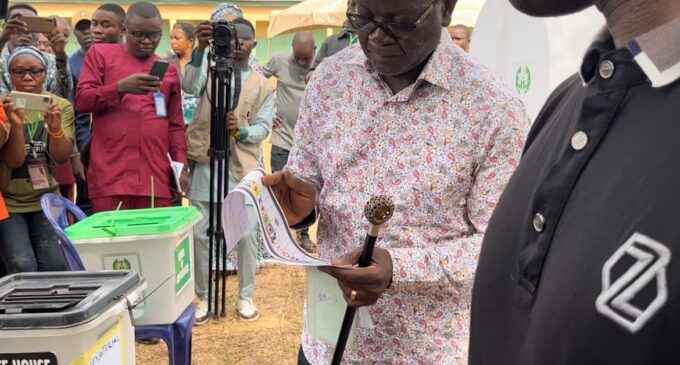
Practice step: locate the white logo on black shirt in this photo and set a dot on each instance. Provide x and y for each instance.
(620, 300)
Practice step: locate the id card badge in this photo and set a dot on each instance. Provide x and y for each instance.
(159, 102)
(37, 170)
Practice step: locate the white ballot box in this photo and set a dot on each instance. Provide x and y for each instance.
(156, 243)
(74, 318)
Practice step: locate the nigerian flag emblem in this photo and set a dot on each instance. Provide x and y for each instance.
(523, 80)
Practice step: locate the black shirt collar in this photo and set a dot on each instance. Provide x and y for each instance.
(603, 62)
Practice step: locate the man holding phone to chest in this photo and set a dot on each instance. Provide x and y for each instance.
(136, 117)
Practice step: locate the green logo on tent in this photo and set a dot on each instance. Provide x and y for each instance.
(121, 264)
(523, 80)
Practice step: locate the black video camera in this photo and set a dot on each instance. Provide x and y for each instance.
(224, 39)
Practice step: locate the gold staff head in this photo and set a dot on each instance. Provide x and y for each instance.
(379, 209)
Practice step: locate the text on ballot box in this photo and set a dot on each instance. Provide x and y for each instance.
(31, 358)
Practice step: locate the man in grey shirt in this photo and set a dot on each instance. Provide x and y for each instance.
(338, 41)
(334, 44)
(290, 72)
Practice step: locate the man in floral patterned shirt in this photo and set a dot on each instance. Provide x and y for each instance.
(410, 115)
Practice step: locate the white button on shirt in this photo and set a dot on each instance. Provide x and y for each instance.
(579, 140)
(606, 69)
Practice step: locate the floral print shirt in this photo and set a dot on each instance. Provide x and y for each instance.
(443, 149)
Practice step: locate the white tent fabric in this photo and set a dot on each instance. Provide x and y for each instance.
(308, 15)
(466, 12)
(319, 14)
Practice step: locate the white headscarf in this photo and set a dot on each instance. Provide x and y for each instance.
(27, 51)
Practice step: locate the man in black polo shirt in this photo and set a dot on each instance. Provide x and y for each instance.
(578, 263)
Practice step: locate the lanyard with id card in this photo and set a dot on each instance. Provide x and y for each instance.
(159, 103)
(36, 161)
(37, 170)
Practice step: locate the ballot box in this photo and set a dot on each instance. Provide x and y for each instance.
(70, 318)
(157, 243)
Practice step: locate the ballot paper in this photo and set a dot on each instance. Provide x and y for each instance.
(177, 168)
(278, 240)
(324, 302)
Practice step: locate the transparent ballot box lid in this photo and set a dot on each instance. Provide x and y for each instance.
(61, 299)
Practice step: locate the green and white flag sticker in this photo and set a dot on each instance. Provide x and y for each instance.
(182, 264)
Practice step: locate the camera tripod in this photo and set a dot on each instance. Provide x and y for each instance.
(221, 102)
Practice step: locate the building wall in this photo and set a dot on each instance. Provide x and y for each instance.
(171, 13)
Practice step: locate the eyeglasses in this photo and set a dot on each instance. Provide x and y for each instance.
(140, 36)
(394, 29)
(21, 72)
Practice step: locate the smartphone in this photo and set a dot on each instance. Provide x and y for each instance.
(38, 24)
(29, 101)
(159, 69)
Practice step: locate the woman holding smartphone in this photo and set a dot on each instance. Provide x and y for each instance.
(38, 141)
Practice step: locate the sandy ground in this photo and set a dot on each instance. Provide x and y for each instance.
(273, 339)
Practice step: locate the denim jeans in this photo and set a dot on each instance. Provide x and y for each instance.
(29, 243)
(279, 159)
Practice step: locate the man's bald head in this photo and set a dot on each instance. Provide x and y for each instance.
(463, 28)
(303, 39)
(144, 10)
(304, 49)
(460, 34)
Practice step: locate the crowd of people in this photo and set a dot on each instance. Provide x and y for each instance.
(112, 128)
(570, 222)
(114, 160)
